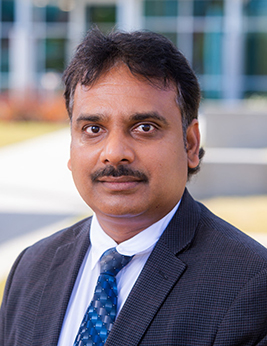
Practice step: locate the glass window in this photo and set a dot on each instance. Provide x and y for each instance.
(207, 53)
(163, 8)
(103, 16)
(212, 93)
(54, 15)
(40, 54)
(256, 54)
(38, 13)
(55, 54)
(253, 93)
(255, 7)
(7, 10)
(171, 36)
(208, 7)
(4, 55)
(207, 62)
(198, 64)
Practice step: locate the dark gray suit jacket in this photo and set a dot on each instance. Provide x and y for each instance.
(205, 283)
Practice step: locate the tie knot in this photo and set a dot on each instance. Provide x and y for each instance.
(111, 262)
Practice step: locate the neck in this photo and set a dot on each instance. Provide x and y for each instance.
(121, 229)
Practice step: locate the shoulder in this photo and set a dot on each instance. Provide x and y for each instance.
(235, 267)
(195, 229)
(225, 236)
(214, 242)
(61, 238)
(37, 258)
(39, 268)
(231, 261)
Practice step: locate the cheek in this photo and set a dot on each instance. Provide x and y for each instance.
(78, 162)
(83, 161)
(69, 165)
(82, 156)
(167, 168)
(170, 156)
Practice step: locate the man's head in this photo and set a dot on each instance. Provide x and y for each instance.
(147, 54)
(134, 128)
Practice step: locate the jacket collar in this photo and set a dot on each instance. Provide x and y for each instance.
(161, 272)
(181, 229)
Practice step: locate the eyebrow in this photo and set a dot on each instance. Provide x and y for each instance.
(149, 115)
(90, 117)
(135, 117)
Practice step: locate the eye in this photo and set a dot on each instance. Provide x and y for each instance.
(93, 129)
(145, 128)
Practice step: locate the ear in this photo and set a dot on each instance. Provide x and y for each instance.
(69, 164)
(192, 144)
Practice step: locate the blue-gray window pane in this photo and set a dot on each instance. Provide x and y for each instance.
(162, 8)
(198, 64)
(212, 94)
(38, 14)
(172, 36)
(4, 55)
(255, 8)
(204, 8)
(7, 10)
(55, 54)
(207, 53)
(103, 16)
(54, 15)
(256, 54)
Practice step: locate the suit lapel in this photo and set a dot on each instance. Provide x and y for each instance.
(59, 284)
(161, 272)
(153, 285)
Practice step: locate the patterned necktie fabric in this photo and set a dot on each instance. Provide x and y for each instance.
(101, 313)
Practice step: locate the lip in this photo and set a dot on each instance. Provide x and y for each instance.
(123, 183)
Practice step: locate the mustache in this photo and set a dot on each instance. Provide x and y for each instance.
(120, 171)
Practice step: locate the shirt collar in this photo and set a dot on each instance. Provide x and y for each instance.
(137, 245)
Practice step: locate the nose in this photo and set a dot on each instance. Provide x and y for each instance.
(117, 150)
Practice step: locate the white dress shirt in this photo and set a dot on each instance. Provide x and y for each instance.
(140, 245)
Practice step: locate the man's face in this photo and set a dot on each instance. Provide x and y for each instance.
(128, 157)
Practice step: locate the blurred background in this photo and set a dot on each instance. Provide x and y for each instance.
(225, 41)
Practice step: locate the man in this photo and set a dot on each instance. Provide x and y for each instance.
(189, 278)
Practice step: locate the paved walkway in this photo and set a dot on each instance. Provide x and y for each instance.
(37, 194)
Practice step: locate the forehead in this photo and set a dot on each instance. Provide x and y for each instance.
(119, 90)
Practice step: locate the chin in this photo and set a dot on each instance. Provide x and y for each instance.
(119, 211)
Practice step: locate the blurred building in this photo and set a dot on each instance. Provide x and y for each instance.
(224, 40)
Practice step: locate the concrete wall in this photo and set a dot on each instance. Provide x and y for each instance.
(222, 179)
(235, 140)
(240, 126)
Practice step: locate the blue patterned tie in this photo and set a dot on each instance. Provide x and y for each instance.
(101, 313)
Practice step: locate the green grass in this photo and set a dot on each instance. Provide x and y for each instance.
(249, 214)
(2, 286)
(13, 132)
